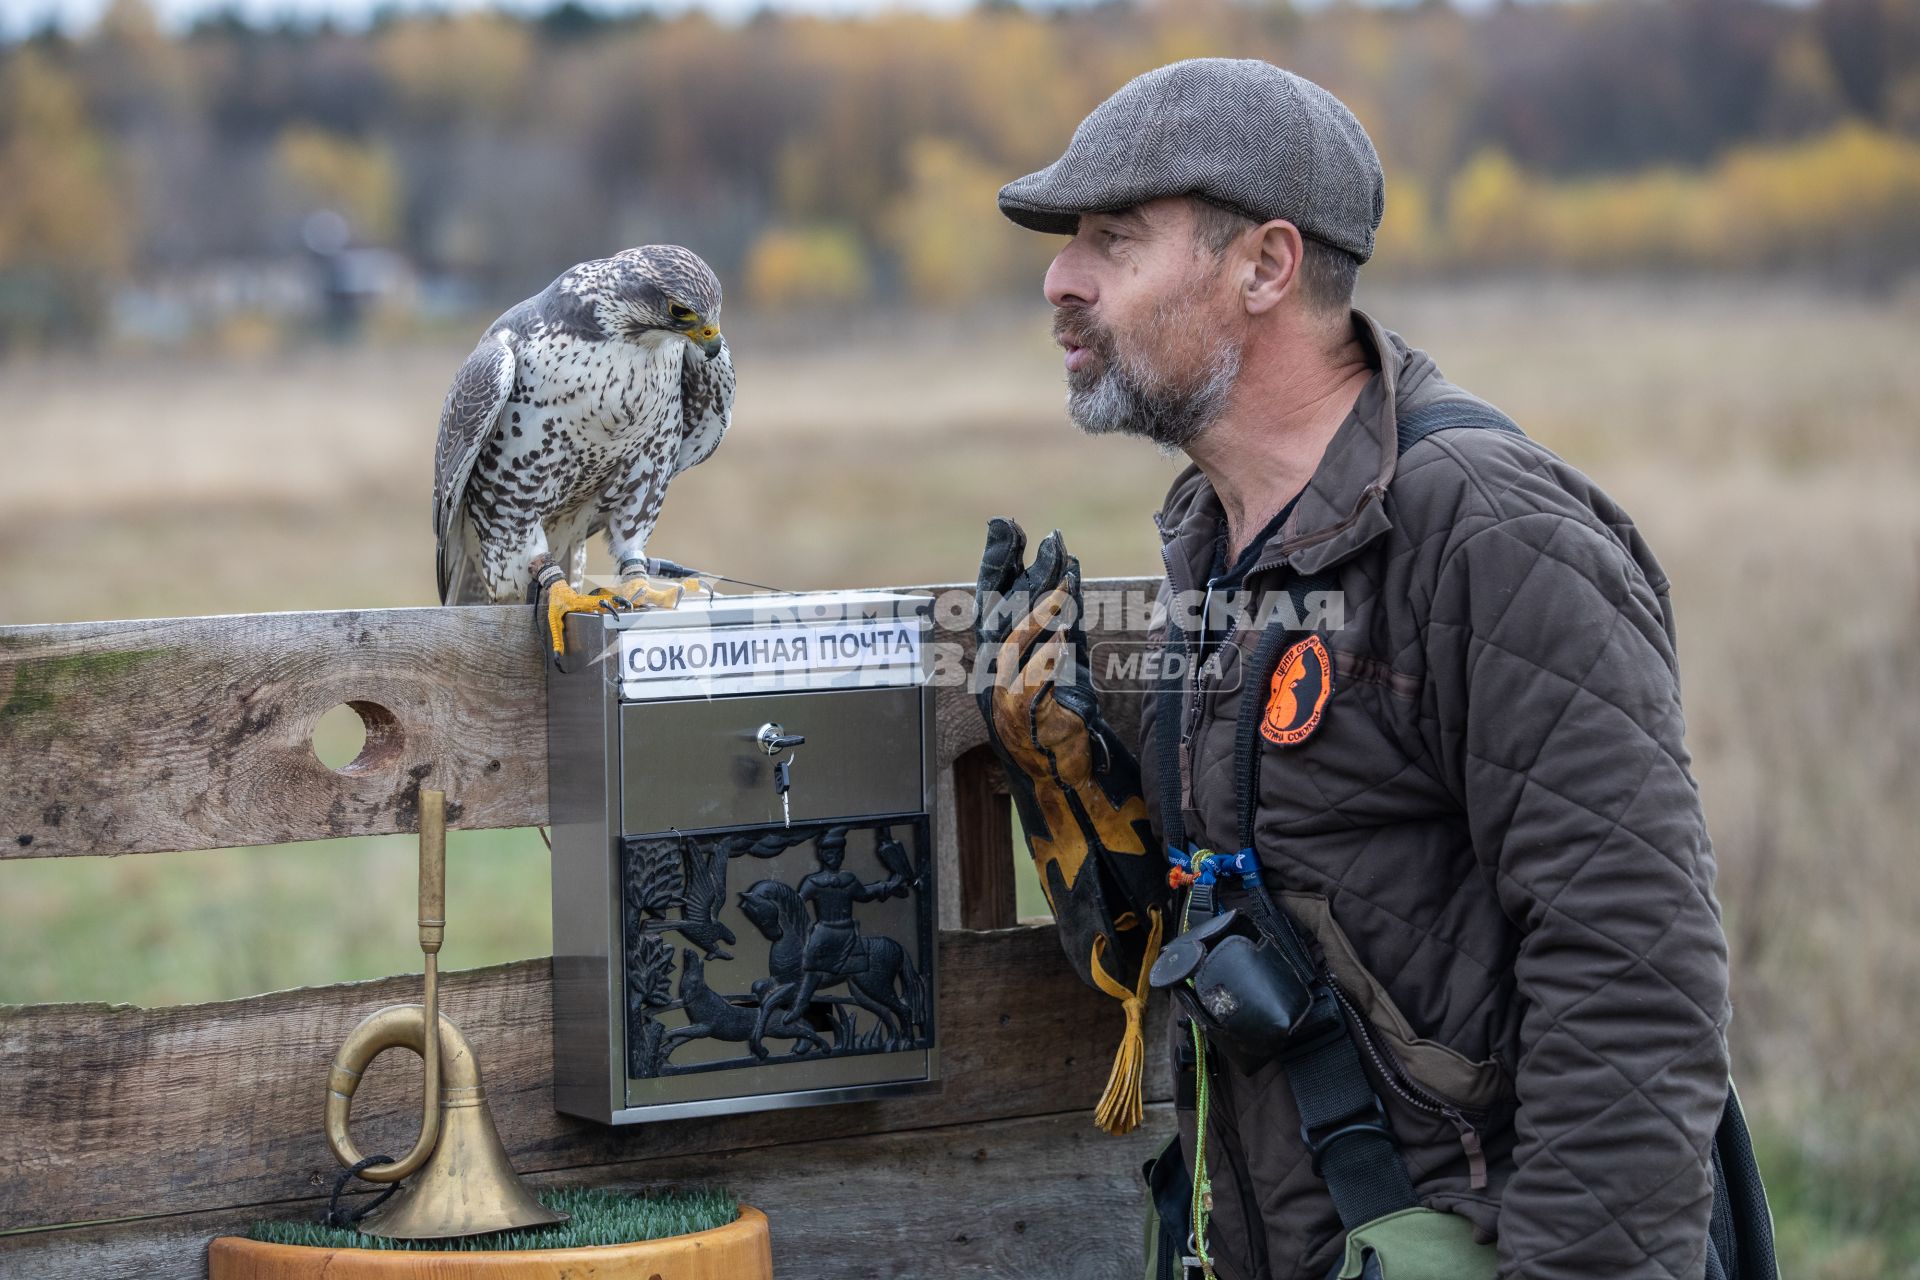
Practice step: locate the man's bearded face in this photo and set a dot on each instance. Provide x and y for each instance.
(1166, 378)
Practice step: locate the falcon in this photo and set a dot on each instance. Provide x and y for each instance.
(569, 419)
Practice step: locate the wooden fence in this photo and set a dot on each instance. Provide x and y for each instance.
(130, 1137)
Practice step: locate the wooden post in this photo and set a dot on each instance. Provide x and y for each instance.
(983, 815)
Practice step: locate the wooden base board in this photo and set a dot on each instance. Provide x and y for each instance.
(738, 1251)
(1046, 1198)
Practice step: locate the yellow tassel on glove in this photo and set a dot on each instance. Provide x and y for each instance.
(1122, 1105)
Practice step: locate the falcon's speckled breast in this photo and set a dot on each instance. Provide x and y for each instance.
(572, 416)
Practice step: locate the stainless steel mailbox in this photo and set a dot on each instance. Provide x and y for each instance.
(741, 796)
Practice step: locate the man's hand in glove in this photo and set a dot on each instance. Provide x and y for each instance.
(1081, 788)
(1076, 787)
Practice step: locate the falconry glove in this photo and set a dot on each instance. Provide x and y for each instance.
(1077, 788)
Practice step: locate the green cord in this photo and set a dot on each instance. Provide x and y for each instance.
(1202, 1184)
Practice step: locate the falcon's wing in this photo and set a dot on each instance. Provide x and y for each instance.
(706, 405)
(707, 885)
(472, 407)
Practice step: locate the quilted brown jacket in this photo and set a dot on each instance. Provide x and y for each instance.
(1492, 834)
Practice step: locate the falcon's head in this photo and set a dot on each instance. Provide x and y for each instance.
(651, 293)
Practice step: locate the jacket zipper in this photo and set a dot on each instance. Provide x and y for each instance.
(1197, 709)
(1175, 585)
(1389, 1066)
(1190, 679)
(1208, 656)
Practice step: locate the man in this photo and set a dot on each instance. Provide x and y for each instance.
(1468, 783)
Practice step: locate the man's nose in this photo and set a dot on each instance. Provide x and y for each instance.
(1067, 282)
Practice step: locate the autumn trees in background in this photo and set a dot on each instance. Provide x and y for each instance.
(829, 162)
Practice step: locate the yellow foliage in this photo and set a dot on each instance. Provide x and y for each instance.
(1855, 184)
(59, 208)
(1020, 90)
(1659, 217)
(357, 180)
(820, 266)
(1406, 234)
(1491, 210)
(1854, 188)
(946, 228)
(467, 66)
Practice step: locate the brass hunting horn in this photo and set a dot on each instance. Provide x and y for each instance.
(466, 1186)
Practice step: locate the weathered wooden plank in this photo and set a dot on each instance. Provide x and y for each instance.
(195, 733)
(114, 1111)
(1026, 1199)
(983, 820)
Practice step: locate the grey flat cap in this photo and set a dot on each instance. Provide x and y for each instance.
(1240, 133)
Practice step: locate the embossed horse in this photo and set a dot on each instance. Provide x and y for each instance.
(883, 980)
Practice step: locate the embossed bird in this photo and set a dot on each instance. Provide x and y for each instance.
(570, 418)
(703, 899)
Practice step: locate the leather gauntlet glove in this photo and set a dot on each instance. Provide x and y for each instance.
(1077, 788)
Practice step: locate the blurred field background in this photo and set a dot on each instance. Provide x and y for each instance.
(240, 259)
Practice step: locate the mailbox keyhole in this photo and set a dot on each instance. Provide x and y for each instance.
(774, 739)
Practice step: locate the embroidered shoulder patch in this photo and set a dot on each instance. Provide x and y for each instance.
(1301, 684)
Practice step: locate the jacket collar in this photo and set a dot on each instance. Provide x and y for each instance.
(1342, 509)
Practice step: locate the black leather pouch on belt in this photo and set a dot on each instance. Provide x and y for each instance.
(1235, 984)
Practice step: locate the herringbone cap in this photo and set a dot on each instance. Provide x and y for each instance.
(1238, 132)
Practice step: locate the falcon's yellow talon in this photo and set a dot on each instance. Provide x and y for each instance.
(664, 593)
(562, 600)
(637, 593)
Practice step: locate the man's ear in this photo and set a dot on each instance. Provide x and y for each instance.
(1277, 250)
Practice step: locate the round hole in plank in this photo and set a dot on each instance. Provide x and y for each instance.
(357, 737)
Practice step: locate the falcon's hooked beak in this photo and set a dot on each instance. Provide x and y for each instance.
(706, 337)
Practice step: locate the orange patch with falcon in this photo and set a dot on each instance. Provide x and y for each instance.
(1301, 684)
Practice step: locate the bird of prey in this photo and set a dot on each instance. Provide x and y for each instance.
(893, 856)
(570, 418)
(701, 902)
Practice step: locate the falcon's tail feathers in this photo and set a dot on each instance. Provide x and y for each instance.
(463, 584)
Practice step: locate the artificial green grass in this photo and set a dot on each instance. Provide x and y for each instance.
(599, 1218)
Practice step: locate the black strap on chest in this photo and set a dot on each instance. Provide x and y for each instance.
(1343, 1123)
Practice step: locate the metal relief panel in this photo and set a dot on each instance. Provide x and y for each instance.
(765, 952)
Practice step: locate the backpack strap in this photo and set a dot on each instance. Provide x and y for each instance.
(1740, 1230)
(1343, 1123)
(1446, 414)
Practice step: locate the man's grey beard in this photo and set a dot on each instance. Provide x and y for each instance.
(1127, 400)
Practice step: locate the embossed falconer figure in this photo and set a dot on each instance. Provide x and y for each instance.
(1412, 842)
(833, 941)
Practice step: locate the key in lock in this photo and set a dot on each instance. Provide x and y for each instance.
(773, 739)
